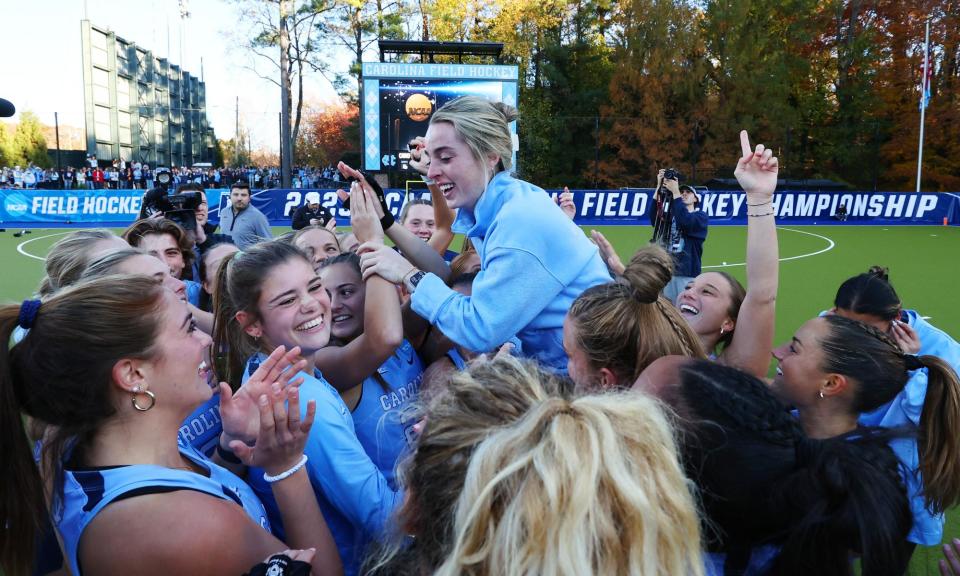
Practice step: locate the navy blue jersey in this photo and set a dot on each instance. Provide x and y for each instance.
(384, 429)
(88, 491)
(202, 428)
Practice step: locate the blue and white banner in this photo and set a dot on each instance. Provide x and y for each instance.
(118, 208)
(632, 206)
(69, 208)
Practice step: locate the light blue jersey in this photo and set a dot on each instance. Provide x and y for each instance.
(383, 429)
(904, 412)
(354, 496)
(88, 491)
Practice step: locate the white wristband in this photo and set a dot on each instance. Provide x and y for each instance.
(427, 181)
(283, 475)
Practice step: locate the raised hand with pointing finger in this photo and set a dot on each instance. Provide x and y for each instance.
(756, 170)
(566, 203)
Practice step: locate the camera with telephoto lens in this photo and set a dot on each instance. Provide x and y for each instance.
(180, 208)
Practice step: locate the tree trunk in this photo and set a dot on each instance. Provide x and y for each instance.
(285, 149)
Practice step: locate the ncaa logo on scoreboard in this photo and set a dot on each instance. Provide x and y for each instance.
(16, 205)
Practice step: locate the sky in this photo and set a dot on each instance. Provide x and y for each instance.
(41, 66)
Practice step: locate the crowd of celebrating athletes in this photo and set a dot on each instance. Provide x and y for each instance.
(188, 399)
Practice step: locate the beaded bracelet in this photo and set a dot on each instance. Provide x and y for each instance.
(760, 204)
(283, 475)
(770, 213)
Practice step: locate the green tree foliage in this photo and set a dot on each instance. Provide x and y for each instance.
(612, 90)
(6, 147)
(656, 91)
(29, 144)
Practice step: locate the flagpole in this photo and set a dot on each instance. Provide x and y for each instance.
(923, 102)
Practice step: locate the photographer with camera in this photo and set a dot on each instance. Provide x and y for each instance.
(680, 227)
(312, 213)
(187, 208)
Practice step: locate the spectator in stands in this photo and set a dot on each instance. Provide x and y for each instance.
(311, 213)
(29, 178)
(243, 222)
(841, 213)
(97, 178)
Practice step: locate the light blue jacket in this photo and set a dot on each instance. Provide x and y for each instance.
(534, 262)
(904, 412)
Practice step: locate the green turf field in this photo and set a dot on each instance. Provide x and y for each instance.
(922, 262)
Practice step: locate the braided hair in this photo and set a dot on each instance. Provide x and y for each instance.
(879, 370)
(869, 293)
(625, 325)
(762, 481)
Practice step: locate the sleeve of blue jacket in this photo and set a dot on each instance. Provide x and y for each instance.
(693, 224)
(349, 479)
(503, 302)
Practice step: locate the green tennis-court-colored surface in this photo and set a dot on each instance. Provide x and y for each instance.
(815, 260)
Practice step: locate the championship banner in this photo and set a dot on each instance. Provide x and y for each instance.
(632, 206)
(118, 208)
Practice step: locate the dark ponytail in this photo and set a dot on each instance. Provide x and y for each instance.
(881, 370)
(939, 441)
(869, 293)
(22, 505)
(763, 482)
(846, 494)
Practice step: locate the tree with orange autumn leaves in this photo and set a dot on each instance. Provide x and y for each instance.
(612, 90)
(327, 134)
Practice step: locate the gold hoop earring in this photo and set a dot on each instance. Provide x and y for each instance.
(149, 394)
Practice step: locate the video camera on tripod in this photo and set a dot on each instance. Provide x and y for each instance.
(660, 216)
